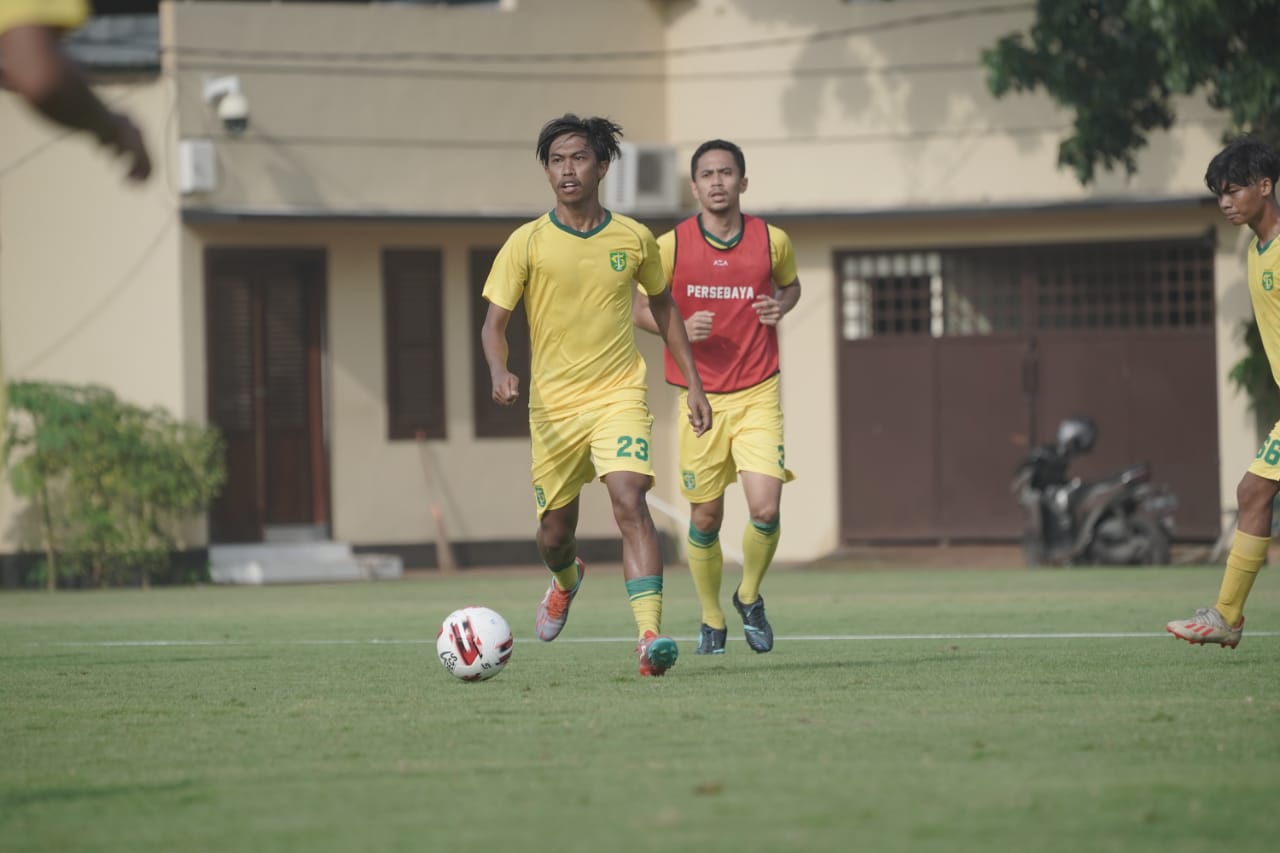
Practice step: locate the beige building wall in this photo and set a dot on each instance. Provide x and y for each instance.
(370, 108)
(884, 106)
(88, 264)
(89, 292)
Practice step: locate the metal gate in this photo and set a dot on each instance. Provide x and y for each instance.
(953, 362)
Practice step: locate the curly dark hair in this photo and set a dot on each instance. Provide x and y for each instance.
(601, 134)
(1244, 161)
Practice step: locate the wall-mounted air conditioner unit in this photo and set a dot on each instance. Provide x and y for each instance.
(643, 180)
(197, 166)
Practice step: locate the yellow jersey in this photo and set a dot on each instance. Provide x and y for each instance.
(63, 14)
(577, 290)
(1264, 293)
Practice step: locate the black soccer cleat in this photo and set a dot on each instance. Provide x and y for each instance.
(755, 625)
(712, 640)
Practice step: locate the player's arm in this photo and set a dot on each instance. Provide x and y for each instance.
(773, 307)
(668, 323)
(697, 326)
(493, 339)
(772, 310)
(40, 72)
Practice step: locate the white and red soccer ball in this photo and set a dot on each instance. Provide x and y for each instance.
(474, 643)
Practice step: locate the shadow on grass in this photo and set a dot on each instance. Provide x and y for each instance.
(74, 793)
(792, 666)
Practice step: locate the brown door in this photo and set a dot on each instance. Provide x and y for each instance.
(265, 312)
(953, 362)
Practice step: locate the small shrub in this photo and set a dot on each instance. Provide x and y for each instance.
(109, 483)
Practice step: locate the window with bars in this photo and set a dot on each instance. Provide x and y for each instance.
(412, 281)
(982, 291)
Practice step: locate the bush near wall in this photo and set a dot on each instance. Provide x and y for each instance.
(108, 483)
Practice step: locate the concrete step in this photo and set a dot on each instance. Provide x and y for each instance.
(298, 562)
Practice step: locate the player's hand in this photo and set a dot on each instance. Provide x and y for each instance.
(124, 138)
(768, 309)
(699, 411)
(506, 388)
(698, 326)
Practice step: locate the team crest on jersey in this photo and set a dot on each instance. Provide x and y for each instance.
(689, 480)
(1268, 280)
(618, 260)
(541, 496)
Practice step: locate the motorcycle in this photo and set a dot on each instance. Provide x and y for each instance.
(1124, 519)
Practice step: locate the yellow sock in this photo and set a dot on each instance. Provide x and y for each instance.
(646, 603)
(758, 547)
(1248, 553)
(567, 577)
(706, 565)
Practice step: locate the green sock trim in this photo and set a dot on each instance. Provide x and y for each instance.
(567, 565)
(644, 587)
(703, 540)
(768, 529)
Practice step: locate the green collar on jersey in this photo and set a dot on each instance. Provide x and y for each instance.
(1262, 247)
(608, 217)
(716, 242)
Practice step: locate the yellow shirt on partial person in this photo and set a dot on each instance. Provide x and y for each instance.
(63, 14)
(1264, 293)
(577, 289)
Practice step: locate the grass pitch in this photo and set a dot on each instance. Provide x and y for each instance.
(887, 718)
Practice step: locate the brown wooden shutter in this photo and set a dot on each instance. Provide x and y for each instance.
(412, 281)
(236, 513)
(492, 420)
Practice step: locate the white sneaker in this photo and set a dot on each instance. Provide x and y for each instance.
(1207, 626)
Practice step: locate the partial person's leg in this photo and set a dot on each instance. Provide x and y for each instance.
(558, 543)
(1223, 623)
(641, 554)
(760, 538)
(706, 562)
(1255, 496)
(558, 547)
(561, 466)
(641, 568)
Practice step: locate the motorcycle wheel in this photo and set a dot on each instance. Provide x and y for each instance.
(1144, 543)
(1157, 551)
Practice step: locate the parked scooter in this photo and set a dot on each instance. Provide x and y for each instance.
(1124, 519)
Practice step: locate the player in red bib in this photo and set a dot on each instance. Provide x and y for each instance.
(733, 278)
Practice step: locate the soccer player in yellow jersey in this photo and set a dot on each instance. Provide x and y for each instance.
(34, 67)
(733, 278)
(1243, 177)
(576, 267)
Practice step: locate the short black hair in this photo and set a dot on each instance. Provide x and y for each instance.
(1244, 161)
(601, 133)
(717, 145)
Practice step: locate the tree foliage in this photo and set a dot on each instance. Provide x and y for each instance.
(109, 483)
(1117, 65)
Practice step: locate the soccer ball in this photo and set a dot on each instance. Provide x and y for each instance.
(474, 643)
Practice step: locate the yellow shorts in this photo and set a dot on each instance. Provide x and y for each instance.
(570, 452)
(745, 435)
(1267, 463)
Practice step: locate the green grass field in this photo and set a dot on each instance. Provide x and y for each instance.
(317, 718)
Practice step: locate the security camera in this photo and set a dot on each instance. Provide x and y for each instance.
(232, 106)
(233, 109)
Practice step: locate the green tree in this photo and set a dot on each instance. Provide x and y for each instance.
(1117, 65)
